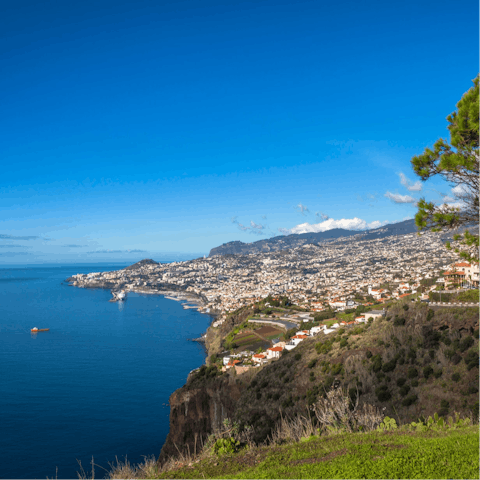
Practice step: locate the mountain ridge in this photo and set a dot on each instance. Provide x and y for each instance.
(283, 242)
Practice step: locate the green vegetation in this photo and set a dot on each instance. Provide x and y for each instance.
(458, 163)
(394, 453)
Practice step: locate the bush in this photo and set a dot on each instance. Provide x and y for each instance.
(343, 343)
(412, 372)
(430, 314)
(298, 356)
(404, 390)
(471, 359)
(405, 307)
(389, 366)
(438, 373)
(368, 353)
(466, 343)
(399, 322)
(456, 359)
(382, 393)
(455, 377)
(312, 363)
(427, 371)
(411, 399)
(414, 382)
(376, 363)
(401, 382)
(226, 446)
(445, 406)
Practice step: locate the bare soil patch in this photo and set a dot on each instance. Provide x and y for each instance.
(267, 331)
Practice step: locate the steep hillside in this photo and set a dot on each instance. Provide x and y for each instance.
(415, 362)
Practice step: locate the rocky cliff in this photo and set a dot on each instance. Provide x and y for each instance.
(198, 409)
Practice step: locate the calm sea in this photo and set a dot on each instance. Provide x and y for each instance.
(97, 384)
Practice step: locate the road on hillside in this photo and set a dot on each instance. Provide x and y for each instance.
(280, 323)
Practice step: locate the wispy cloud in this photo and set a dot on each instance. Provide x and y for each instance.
(397, 198)
(17, 237)
(13, 254)
(73, 245)
(11, 245)
(411, 187)
(322, 215)
(118, 251)
(345, 223)
(301, 209)
(254, 228)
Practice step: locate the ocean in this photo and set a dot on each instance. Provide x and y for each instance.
(97, 384)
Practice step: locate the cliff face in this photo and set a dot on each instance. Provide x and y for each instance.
(195, 411)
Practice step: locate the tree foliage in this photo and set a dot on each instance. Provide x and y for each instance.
(458, 163)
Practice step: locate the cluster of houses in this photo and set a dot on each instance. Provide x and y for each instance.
(462, 273)
(243, 361)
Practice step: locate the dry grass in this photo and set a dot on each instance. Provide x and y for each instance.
(336, 412)
(292, 429)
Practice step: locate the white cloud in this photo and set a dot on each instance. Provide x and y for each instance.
(397, 198)
(411, 187)
(345, 223)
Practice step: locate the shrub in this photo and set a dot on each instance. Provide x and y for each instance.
(445, 406)
(411, 399)
(389, 366)
(412, 354)
(225, 446)
(382, 393)
(427, 371)
(336, 368)
(298, 356)
(401, 382)
(404, 390)
(472, 355)
(455, 377)
(414, 382)
(405, 307)
(466, 343)
(430, 314)
(343, 343)
(412, 372)
(456, 359)
(399, 322)
(376, 363)
(472, 364)
(368, 353)
(472, 389)
(438, 373)
(312, 363)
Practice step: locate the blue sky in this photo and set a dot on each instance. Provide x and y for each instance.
(154, 129)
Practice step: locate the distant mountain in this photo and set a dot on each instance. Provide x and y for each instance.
(283, 242)
(141, 263)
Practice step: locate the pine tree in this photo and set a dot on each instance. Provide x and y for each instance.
(458, 163)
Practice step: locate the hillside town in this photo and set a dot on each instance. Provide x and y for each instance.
(319, 276)
(333, 276)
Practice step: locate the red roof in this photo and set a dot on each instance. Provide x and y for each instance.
(299, 336)
(259, 355)
(275, 349)
(454, 273)
(462, 264)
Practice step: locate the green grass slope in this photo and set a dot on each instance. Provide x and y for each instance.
(451, 453)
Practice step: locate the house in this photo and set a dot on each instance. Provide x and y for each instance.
(317, 329)
(274, 352)
(296, 339)
(259, 357)
(374, 314)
